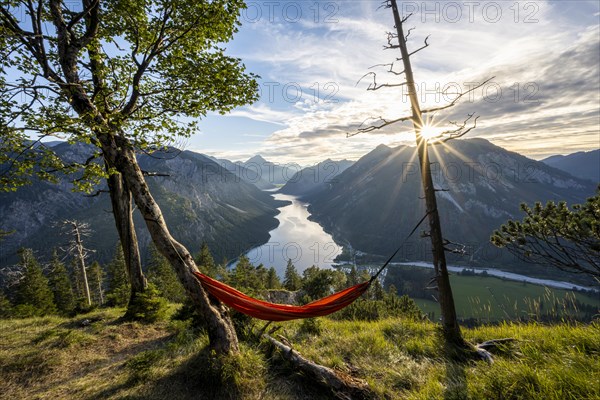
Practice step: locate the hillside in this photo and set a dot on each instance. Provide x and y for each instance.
(584, 165)
(399, 358)
(374, 204)
(201, 201)
(313, 179)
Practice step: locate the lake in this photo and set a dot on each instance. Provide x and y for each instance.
(296, 238)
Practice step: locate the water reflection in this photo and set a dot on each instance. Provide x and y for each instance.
(296, 238)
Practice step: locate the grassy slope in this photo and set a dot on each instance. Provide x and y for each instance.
(491, 298)
(58, 358)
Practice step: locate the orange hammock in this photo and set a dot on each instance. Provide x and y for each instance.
(280, 312)
(285, 312)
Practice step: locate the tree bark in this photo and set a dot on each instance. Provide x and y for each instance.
(81, 260)
(450, 324)
(120, 197)
(119, 153)
(343, 387)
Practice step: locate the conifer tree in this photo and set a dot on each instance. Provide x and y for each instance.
(206, 262)
(118, 285)
(6, 310)
(353, 276)
(273, 281)
(33, 296)
(162, 275)
(291, 280)
(96, 280)
(60, 284)
(246, 276)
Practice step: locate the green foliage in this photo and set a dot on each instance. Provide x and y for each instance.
(246, 277)
(119, 289)
(33, 296)
(206, 263)
(272, 280)
(317, 282)
(162, 275)
(96, 281)
(147, 306)
(311, 326)
(365, 309)
(168, 64)
(291, 280)
(557, 236)
(61, 287)
(6, 310)
(22, 159)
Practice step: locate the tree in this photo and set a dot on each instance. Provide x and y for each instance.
(161, 274)
(206, 262)
(246, 276)
(164, 63)
(291, 280)
(272, 280)
(33, 296)
(75, 248)
(61, 287)
(398, 40)
(567, 239)
(118, 285)
(317, 282)
(96, 275)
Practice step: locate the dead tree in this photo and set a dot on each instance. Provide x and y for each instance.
(78, 230)
(398, 40)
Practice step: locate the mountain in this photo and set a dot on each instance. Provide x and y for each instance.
(375, 203)
(313, 179)
(201, 201)
(584, 165)
(275, 174)
(248, 175)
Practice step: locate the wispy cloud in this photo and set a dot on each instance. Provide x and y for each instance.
(544, 97)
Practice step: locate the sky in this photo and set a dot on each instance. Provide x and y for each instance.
(543, 59)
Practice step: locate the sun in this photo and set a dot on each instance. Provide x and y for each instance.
(429, 132)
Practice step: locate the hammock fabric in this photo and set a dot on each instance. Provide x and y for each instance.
(280, 312)
(285, 312)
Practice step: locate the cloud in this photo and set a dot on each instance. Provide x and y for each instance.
(547, 73)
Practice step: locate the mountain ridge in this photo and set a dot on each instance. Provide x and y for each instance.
(201, 201)
(374, 204)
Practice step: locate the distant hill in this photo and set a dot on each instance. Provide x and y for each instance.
(584, 165)
(201, 201)
(313, 179)
(249, 175)
(375, 203)
(273, 173)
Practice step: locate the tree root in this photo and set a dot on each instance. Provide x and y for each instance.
(342, 385)
(485, 349)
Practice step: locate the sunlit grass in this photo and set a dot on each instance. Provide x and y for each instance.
(399, 358)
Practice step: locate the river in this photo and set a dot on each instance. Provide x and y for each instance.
(306, 244)
(507, 275)
(296, 238)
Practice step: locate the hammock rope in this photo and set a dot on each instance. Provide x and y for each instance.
(284, 312)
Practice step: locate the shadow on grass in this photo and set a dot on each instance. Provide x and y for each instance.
(455, 380)
(202, 376)
(199, 377)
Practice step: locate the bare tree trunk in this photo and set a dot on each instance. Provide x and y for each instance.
(81, 261)
(118, 153)
(450, 324)
(123, 214)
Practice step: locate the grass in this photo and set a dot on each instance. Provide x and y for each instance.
(58, 358)
(491, 299)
